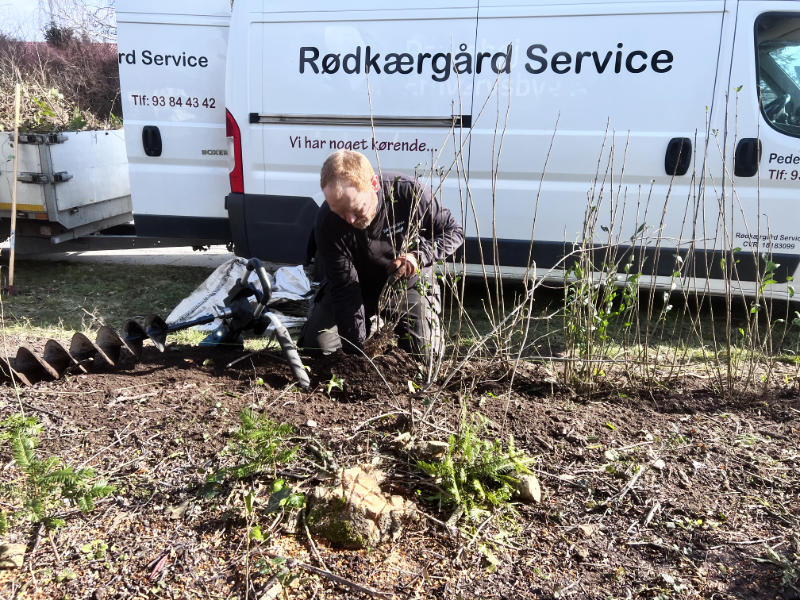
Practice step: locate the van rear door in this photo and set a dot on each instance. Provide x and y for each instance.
(172, 76)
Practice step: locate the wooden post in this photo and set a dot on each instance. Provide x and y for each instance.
(13, 230)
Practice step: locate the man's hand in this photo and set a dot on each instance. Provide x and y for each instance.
(405, 266)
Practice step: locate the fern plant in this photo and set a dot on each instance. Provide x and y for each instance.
(476, 474)
(261, 445)
(44, 484)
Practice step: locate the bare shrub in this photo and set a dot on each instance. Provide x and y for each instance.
(72, 84)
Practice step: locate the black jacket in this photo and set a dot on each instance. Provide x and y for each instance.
(357, 263)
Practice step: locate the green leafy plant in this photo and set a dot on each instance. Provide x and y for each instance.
(279, 568)
(44, 484)
(476, 474)
(261, 445)
(788, 566)
(334, 383)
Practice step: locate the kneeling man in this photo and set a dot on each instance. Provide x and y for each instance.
(372, 231)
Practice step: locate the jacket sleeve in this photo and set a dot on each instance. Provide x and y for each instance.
(344, 288)
(440, 235)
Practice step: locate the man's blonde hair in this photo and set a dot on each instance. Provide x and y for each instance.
(347, 167)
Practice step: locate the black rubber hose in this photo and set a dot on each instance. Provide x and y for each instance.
(256, 265)
(290, 352)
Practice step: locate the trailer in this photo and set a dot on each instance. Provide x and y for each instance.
(69, 185)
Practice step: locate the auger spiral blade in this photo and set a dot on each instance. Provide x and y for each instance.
(33, 367)
(84, 350)
(157, 330)
(133, 334)
(112, 344)
(11, 374)
(57, 357)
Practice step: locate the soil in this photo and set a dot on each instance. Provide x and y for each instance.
(676, 492)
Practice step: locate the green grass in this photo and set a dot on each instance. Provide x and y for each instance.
(56, 299)
(53, 299)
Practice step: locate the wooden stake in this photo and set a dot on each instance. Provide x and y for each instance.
(13, 230)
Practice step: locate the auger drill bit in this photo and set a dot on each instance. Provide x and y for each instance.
(109, 347)
(134, 335)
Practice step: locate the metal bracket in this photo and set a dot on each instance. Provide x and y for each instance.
(61, 177)
(42, 138)
(43, 178)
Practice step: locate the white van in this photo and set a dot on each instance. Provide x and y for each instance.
(665, 130)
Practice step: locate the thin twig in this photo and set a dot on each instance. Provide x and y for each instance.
(291, 563)
(311, 541)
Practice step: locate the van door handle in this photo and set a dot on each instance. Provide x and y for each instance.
(678, 156)
(747, 157)
(151, 140)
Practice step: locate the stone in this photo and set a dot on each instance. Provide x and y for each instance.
(178, 511)
(12, 556)
(587, 529)
(402, 439)
(352, 512)
(528, 489)
(580, 553)
(430, 450)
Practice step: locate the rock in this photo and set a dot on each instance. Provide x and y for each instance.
(12, 556)
(435, 448)
(430, 449)
(580, 553)
(311, 423)
(529, 489)
(587, 529)
(402, 439)
(352, 512)
(658, 464)
(179, 511)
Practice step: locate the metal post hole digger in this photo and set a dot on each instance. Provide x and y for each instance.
(238, 315)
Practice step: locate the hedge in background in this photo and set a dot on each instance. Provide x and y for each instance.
(68, 83)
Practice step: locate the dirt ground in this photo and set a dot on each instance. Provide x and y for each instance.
(677, 493)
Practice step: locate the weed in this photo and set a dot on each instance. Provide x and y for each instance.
(261, 445)
(476, 473)
(788, 566)
(334, 383)
(95, 550)
(46, 483)
(278, 568)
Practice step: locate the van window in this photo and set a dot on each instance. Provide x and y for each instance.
(778, 55)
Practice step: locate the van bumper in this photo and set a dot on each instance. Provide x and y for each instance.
(272, 228)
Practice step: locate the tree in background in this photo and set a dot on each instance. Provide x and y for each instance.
(93, 20)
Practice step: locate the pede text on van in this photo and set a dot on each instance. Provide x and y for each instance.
(442, 64)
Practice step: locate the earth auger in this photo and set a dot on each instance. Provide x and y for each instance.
(238, 315)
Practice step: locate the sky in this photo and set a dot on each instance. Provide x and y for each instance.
(21, 18)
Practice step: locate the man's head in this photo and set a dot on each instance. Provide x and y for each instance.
(350, 187)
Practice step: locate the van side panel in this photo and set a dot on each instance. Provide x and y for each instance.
(764, 70)
(358, 78)
(595, 94)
